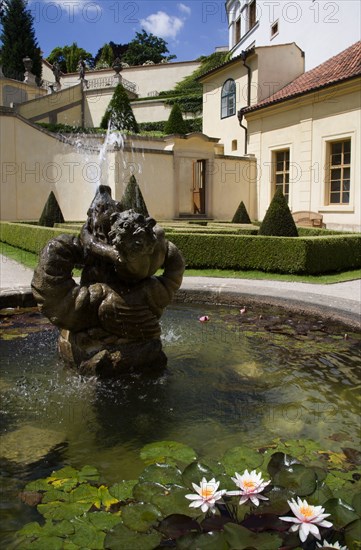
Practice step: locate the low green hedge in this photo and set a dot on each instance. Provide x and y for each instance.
(32, 238)
(303, 255)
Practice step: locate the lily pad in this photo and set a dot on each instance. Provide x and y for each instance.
(164, 474)
(44, 543)
(240, 538)
(239, 459)
(140, 516)
(341, 513)
(195, 472)
(103, 520)
(123, 538)
(171, 452)
(177, 525)
(63, 510)
(321, 495)
(298, 478)
(280, 461)
(88, 536)
(145, 491)
(277, 503)
(208, 541)
(123, 490)
(353, 534)
(174, 502)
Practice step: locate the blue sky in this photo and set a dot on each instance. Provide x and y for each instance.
(191, 28)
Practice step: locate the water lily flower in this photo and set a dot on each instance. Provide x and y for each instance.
(250, 485)
(207, 495)
(336, 545)
(308, 518)
(204, 319)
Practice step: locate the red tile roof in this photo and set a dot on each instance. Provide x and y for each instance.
(344, 66)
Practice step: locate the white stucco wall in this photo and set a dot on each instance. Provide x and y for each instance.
(305, 126)
(321, 29)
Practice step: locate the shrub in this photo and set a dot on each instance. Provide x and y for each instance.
(133, 198)
(120, 112)
(175, 123)
(278, 220)
(51, 213)
(241, 215)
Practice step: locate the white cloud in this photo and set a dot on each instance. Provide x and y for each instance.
(185, 9)
(163, 25)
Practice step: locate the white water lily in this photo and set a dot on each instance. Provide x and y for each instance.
(250, 485)
(207, 495)
(335, 545)
(308, 518)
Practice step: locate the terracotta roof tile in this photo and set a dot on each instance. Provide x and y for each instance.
(344, 66)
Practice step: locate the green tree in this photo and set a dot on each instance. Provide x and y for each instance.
(68, 57)
(117, 49)
(133, 198)
(146, 47)
(18, 39)
(241, 214)
(106, 57)
(120, 112)
(278, 219)
(175, 123)
(51, 213)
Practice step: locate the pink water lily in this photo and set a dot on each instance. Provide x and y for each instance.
(250, 486)
(307, 518)
(204, 319)
(207, 495)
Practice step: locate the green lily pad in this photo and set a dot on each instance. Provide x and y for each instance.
(240, 538)
(164, 474)
(277, 503)
(195, 472)
(297, 478)
(123, 490)
(98, 496)
(67, 478)
(38, 485)
(59, 529)
(167, 451)
(321, 495)
(123, 538)
(356, 503)
(208, 541)
(87, 536)
(56, 494)
(103, 521)
(44, 543)
(177, 525)
(280, 461)
(145, 491)
(63, 510)
(341, 513)
(175, 502)
(239, 459)
(353, 534)
(141, 516)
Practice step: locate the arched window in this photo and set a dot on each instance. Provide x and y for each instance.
(228, 106)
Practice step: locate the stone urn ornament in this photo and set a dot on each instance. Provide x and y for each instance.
(109, 321)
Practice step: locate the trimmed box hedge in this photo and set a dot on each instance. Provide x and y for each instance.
(301, 255)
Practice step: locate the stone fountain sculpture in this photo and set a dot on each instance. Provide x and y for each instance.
(110, 321)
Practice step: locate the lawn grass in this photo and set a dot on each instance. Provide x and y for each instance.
(28, 259)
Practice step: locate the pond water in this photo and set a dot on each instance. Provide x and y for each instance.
(239, 379)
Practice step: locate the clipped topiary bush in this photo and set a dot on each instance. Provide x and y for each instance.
(51, 213)
(120, 112)
(241, 215)
(175, 123)
(133, 198)
(278, 221)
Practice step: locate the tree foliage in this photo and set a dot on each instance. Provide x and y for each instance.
(68, 57)
(106, 57)
(133, 198)
(175, 123)
(18, 39)
(241, 214)
(278, 220)
(146, 47)
(120, 112)
(117, 49)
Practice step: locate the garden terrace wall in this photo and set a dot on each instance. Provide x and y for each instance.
(303, 255)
